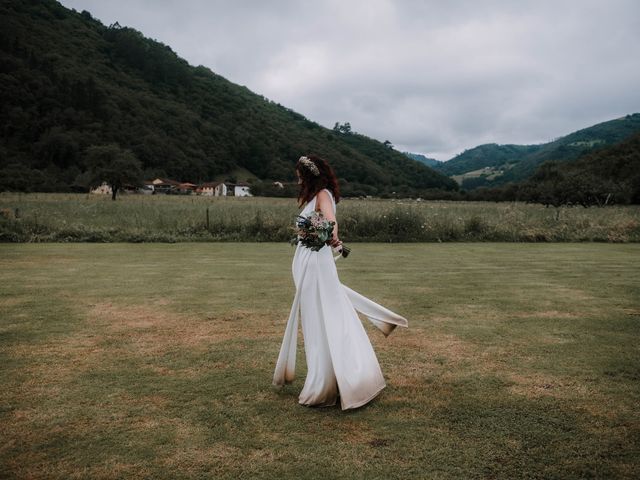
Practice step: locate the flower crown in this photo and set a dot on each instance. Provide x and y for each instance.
(310, 165)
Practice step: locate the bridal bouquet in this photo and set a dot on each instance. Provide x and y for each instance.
(314, 232)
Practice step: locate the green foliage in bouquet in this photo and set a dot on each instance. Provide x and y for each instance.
(313, 231)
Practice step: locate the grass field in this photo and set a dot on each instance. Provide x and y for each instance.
(155, 361)
(57, 217)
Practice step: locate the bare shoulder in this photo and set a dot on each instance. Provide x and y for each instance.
(324, 201)
(324, 195)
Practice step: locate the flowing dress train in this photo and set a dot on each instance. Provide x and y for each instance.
(340, 359)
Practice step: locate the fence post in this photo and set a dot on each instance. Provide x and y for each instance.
(207, 218)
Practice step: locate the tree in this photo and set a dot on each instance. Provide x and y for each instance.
(114, 165)
(344, 129)
(388, 144)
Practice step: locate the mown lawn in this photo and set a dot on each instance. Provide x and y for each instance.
(155, 361)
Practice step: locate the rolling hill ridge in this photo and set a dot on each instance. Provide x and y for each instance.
(494, 165)
(68, 83)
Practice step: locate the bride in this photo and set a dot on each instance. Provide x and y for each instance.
(340, 359)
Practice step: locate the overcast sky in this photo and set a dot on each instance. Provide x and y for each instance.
(433, 77)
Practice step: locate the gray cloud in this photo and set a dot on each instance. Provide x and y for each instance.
(431, 77)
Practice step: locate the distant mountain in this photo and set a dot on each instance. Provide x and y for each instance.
(494, 165)
(575, 145)
(605, 176)
(488, 155)
(430, 162)
(68, 82)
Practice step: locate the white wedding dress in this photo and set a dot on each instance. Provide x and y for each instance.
(340, 359)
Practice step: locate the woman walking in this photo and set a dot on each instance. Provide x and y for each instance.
(340, 359)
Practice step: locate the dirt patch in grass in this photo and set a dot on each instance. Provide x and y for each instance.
(114, 333)
(54, 362)
(451, 346)
(420, 349)
(425, 364)
(548, 314)
(217, 458)
(417, 361)
(192, 452)
(352, 431)
(581, 394)
(10, 301)
(186, 372)
(112, 417)
(110, 333)
(536, 385)
(434, 362)
(569, 293)
(152, 331)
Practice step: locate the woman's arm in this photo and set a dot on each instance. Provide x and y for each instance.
(326, 207)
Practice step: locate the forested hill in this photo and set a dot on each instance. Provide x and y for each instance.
(515, 163)
(606, 175)
(431, 162)
(575, 145)
(68, 82)
(488, 155)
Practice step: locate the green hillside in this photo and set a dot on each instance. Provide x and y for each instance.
(574, 145)
(430, 162)
(489, 155)
(608, 175)
(68, 83)
(514, 163)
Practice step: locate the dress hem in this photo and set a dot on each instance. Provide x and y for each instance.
(319, 405)
(363, 402)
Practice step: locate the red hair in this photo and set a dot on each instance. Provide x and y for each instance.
(312, 184)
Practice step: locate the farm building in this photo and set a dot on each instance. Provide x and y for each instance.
(167, 185)
(162, 185)
(217, 189)
(242, 189)
(103, 189)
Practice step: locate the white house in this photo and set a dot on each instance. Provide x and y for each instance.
(242, 190)
(221, 190)
(217, 189)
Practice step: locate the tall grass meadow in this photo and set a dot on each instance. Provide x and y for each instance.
(56, 217)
